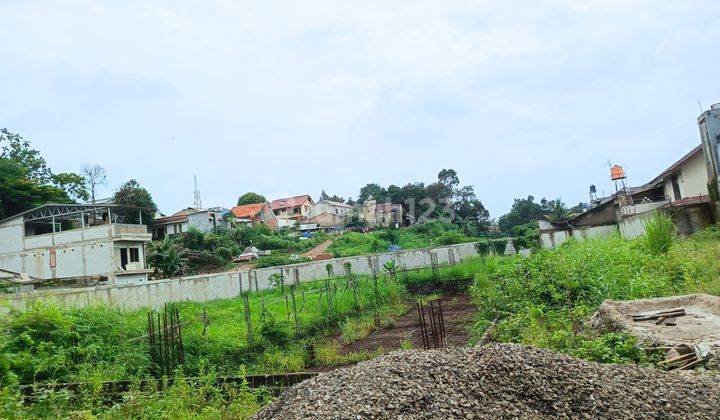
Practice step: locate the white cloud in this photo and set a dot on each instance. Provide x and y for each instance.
(298, 96)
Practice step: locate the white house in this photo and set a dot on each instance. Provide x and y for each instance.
(192, 217)
(328, 213)
(72, 242)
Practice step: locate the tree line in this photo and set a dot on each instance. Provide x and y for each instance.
(26, 181)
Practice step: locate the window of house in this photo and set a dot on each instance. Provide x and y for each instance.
(676, 187)
(296, 210)
(134, 255)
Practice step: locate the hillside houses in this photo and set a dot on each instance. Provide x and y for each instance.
(293, 208)
(254, 214)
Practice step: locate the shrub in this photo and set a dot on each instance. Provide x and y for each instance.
(452, 238)
(659, 233)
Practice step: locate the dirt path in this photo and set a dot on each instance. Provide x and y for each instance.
(320, 249)
(457, 312)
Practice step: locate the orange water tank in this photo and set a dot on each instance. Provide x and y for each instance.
(617, 172)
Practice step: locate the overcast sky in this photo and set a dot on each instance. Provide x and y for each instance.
(287, 98)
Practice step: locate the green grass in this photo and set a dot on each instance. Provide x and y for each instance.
(421, 236)
(546, 299)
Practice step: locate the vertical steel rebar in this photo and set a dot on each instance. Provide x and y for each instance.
(442, 324)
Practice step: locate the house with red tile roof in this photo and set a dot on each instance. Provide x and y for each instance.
(293, 208)
(259, 213)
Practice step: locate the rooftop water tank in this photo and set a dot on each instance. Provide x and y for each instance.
(617, 172)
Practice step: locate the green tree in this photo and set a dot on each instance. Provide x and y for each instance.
(15, 148)
(555, 210)
(251, 198)
(335, 198)
(132, 194)
(470, 213)
(73, 184)
(18, 193)
(449, 178)
(372, 191)
(523, 211)
(34, 167)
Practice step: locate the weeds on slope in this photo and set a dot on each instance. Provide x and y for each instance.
(545, 300)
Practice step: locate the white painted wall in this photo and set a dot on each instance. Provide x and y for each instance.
(78, 253)
(692, 178)
(553, 238)
(204, 288)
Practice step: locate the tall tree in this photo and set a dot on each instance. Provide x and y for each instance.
(251, 198)
(19, 193)
(334, 197)
(449, 178)
(372, 191)
(15, 148)
(523, 211)
(73, 184)
(555, 210)
(94, 177)
(469, 211)
(132, 194)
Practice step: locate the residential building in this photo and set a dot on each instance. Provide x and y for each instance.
(259, 213)
(328, 213)
(294, 208)
(383, 214)
(76, 242)
(680, 191)
(192, 217)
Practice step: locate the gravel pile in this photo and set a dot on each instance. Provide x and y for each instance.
(497, 381)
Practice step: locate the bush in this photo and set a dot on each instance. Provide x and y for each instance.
(452, 238)
(225, 253)
(659, 233)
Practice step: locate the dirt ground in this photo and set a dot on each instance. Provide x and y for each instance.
(320, 249)
(457, 312)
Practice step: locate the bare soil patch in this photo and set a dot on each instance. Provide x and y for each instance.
(457, 311)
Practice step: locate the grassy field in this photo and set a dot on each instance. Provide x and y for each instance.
(420, 236)
(47, 344)
(546, 299)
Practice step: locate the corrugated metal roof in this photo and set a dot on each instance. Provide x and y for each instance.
(180, 216)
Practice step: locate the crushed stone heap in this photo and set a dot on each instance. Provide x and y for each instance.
(497, 381)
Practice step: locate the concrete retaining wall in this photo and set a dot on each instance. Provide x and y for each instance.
(203, 288)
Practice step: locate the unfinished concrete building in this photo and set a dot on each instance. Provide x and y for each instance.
(75, 243)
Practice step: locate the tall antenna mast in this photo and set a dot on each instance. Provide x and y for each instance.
(198, 201)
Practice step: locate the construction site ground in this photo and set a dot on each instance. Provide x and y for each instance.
(457, 313)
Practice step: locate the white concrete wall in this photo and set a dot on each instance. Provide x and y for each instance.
(79, 252)
(551, 239)
(692, 177)
(633, 226)
(204, 288)
(11, 236)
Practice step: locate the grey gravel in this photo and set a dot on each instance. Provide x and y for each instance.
(497, 381)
